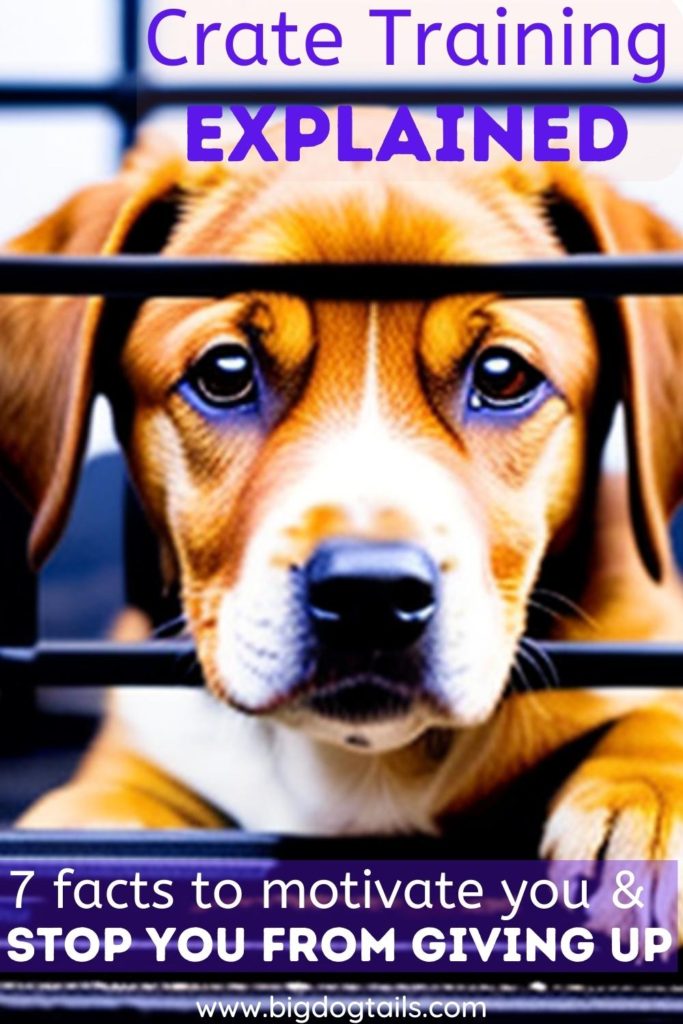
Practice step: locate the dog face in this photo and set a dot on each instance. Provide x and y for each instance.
(358, 498)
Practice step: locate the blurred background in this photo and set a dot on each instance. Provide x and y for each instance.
(49, 152)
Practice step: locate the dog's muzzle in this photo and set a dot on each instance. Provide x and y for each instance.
(369, 603)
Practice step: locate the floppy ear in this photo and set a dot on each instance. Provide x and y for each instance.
(47, 344)
(591, 216)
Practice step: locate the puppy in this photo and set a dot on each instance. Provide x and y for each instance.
(363, 503)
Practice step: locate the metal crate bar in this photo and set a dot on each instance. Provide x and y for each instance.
(157, 1003)
(147, 276)
(130, 95)
(130, 65)
(565, 665)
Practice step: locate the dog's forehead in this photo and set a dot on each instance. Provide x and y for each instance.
(363, 213)
(368, 213)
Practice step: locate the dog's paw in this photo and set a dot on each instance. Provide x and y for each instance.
(618, 809)
(626, 809)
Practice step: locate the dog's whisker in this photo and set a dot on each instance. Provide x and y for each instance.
(530, 692)
(535, 651)
(569, 604)
(519, 681)
(527, 688)
(545, 609)
(170, 628)
(541, 663)
(518, 665)
(193, 663)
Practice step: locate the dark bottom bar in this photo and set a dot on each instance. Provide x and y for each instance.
(155, 1003)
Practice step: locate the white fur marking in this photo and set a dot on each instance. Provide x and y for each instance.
(370, 410)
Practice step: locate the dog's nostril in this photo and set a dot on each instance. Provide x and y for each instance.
(333, 598)
(364, 595)
(414, 598)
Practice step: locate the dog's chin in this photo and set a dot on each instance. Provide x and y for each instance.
(364, 710)
(367, 714)
(361, 700)
(367, 701)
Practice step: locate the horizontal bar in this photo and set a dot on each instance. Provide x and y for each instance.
(146, 276)
(173, 663)
(114, 1001)
(100, 664)
(129, 93)
(210, 844)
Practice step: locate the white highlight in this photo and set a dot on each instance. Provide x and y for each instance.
(614, 456)
(102, 439)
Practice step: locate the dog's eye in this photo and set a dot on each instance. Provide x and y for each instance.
(224, 376)
(502, 379)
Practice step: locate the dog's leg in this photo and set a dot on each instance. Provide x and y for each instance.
(114, 789)
(626, 799)
(625, 802)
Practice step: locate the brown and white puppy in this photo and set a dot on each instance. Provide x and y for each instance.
(361, 501)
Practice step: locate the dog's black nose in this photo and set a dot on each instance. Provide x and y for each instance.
(370, 596)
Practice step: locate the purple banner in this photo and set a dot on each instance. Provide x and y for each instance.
(250, 916)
